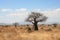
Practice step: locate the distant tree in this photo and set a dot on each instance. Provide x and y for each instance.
(36, 17)
(16, 24)
(55, 24)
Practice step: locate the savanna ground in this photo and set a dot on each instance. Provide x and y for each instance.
(45, 32)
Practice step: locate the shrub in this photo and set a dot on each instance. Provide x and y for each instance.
(55, 24)
(49, 29)
(28, 29)
(5, 25)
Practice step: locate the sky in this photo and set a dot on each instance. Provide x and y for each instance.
(18, 10)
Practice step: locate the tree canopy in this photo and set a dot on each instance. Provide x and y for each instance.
(39, 17)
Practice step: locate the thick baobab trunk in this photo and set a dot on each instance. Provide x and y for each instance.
(35, 24)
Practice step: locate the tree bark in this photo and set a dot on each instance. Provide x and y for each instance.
(35, 26)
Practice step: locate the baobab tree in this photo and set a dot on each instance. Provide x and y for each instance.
(36, 17)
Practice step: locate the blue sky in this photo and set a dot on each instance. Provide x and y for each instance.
(15, 10)
(30, 4)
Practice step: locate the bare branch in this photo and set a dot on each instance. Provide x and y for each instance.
(39, 17)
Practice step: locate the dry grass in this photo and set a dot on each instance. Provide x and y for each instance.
(22, 33)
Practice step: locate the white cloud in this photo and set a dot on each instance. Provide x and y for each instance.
(53, 15)
(21, 9)
(1, 17)
(36, 10)
(49, 13)
(6, 10)
(19, 15)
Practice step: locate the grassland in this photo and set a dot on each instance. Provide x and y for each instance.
(45, 32)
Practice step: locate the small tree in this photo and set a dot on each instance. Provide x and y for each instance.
(55, 24)
(36, 17)
(15, 24)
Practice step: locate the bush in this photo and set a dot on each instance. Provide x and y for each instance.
(5, 25)
(49, 29)
(28, 29)
(55, 24)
